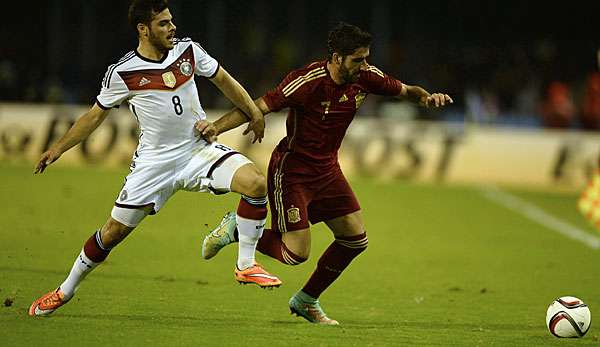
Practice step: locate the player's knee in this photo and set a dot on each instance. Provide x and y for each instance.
(257, 185)
(298, 255)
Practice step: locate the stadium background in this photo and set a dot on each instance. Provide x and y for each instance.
(475, 262)
(506, 52)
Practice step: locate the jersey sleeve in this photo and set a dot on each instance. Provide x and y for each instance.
(377, 82)
(206, 65)
(113, 92)
(280, 97)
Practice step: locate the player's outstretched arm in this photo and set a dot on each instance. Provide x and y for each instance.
(242, 100)
(423, 97)
(82, 128)
(236, 117)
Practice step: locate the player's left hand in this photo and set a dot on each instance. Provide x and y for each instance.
(207, 130)
(257, 126)
(437, 100)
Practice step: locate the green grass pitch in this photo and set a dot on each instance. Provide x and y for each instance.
(445, 267)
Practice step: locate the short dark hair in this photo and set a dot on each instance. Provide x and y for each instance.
(142, 11)
(346, 38)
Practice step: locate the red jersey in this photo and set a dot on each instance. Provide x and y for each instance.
(321, 111)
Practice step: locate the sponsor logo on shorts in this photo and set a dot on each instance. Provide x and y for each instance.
(293, 214)
(123, 195)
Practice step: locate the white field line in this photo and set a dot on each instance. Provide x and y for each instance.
(539, 216)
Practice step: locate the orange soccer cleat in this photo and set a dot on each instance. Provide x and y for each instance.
(48, 303)
(257, 275)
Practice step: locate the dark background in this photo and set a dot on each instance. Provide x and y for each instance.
(502, 54)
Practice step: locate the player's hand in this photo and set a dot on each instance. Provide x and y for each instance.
(437, 100)
(257, 126)
(47, 158)
(207, 130)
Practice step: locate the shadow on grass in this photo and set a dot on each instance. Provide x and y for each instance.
(101, 274)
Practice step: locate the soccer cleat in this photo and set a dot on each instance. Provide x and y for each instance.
(257, 275)
(311, 311)
(220, 237)
(48, 303)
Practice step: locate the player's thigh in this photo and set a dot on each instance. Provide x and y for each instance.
(148, 184)
(249, 181)
(335, 201)
(288, 203)
(349, 225)
(212, 169)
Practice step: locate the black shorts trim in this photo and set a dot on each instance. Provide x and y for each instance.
(218, 163)
(136, 207)
(102, 106)
(215, 73)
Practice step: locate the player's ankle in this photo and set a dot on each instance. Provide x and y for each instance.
(302, 296)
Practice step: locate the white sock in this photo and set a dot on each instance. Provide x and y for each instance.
(82, 266)
(249, 231)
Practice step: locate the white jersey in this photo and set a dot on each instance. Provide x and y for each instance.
(163, 97)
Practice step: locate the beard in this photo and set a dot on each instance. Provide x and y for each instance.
(347, 76)
(157, 43)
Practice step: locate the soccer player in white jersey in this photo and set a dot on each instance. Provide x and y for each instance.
(176, 148)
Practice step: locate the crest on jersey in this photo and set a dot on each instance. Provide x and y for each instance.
(359, 98)
(185, 67)
(123, 195)
(293, 214)
(169, 79)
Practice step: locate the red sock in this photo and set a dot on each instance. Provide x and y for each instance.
(270, 244)
(94, 249)
(335, 259)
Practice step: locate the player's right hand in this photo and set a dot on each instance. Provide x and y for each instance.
(207, 130)
(47, 158)
(257, 126)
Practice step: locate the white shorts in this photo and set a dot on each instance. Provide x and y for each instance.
(151, 184)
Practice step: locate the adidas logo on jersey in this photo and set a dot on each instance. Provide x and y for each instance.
(143, 81)
(343, 98)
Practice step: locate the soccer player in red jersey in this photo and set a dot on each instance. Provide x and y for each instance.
(305, 182)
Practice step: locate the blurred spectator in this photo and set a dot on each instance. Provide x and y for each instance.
(481, 106)
(8, 78)
(590, 113)
(558, 109)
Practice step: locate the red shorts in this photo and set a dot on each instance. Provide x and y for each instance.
(295, 199)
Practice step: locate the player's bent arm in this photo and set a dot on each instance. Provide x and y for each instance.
(236, 93)
(82, 128)
(422, 97)
(236, 117)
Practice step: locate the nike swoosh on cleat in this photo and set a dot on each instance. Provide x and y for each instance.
(263, 276)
